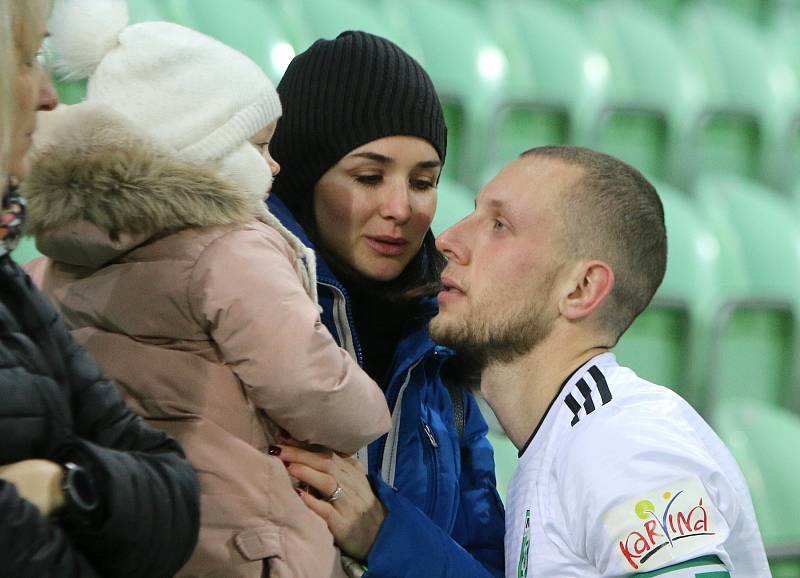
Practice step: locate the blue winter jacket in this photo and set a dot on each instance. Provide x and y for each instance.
(444, 516)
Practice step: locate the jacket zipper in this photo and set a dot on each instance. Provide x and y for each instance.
(391, 441)
(343, 318)
(433, 471)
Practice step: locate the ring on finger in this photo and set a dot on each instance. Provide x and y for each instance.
(336, 494)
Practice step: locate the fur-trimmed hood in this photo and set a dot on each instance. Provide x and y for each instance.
(100, 187)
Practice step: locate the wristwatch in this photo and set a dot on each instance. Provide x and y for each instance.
(80, 495)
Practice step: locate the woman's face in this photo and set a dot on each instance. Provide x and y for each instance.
(374, 207)
(34, 91)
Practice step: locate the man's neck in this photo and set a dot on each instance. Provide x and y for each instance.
(520, 392)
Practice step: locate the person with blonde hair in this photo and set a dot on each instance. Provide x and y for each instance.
(87, 488)
(148, 201)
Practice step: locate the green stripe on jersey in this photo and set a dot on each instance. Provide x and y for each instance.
(714, 568)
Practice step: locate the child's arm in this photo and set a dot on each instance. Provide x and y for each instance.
(247, 292)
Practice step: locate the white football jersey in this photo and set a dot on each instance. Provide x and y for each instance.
(623, 478)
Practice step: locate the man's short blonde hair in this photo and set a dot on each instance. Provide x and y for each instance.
(613, 213)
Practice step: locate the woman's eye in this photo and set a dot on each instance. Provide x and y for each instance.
(370, 180)
(422, 184)
(499, 225)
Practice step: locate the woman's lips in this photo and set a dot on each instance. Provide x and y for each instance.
(387, 246)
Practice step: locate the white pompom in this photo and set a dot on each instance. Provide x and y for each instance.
(82, 32)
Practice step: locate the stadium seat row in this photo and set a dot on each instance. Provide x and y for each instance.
(704, 89)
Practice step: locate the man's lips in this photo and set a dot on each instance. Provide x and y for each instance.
(451, 289)
(387, 245)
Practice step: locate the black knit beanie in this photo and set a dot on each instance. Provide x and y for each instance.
(341, 94)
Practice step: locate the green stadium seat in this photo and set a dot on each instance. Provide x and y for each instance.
(668, 9)
(784, 568)
(469, 70)
(752, 369)
(754, 11)
(742, 127)
(755, 356)
(764, 439)
(653, 92)
(783, 44)
(547, 90)
(250, 26)
(455, 201)
(308, 20)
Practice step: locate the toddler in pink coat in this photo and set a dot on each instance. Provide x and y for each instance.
(147, 201)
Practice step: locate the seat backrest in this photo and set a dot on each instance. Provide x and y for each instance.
(652, 86)
(544, 85)
(783, 45)
(761, 438)
(313, 19)
(747, 105)
(755, 334)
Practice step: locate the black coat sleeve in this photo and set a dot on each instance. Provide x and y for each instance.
(31, 546)
(149, 491)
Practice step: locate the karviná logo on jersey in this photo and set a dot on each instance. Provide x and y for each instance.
(667, 523)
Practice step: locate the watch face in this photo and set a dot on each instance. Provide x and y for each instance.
(79, 487)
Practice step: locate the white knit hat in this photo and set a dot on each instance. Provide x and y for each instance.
(190, 91)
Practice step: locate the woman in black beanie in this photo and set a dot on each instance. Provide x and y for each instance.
(361, 144)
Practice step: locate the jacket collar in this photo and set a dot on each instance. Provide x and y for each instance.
(278, 208)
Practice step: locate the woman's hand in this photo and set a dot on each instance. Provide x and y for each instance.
(349, 506)
(38, 481)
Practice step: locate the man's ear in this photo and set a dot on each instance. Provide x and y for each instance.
(590, 284)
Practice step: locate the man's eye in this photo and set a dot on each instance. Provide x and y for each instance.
(499, 225)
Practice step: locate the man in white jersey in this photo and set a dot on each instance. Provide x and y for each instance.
(617, 476)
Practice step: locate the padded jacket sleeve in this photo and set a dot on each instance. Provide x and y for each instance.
(149, 491)
(31, 546)
(247, 290)
(409, 544)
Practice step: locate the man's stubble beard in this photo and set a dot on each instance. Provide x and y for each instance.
(484, 339)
